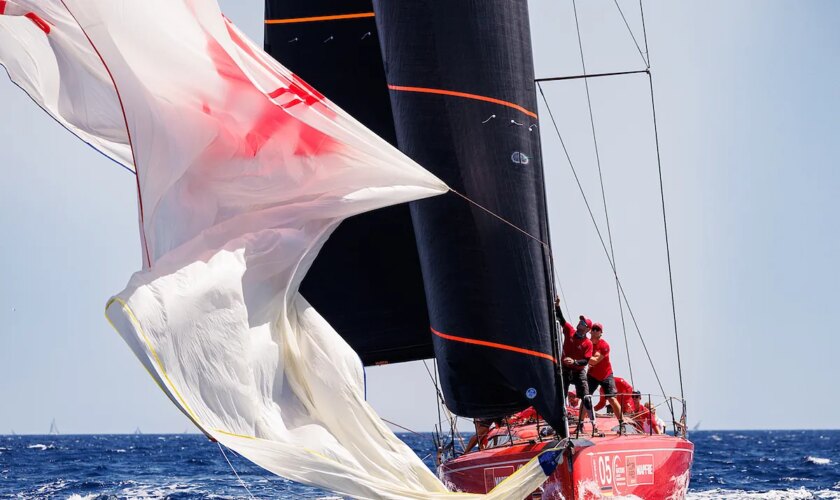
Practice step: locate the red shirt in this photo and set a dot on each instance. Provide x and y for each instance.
(646, 420)
(625, 398)
(574, 347)
(624, 388)
(603, 369)
(525, 415)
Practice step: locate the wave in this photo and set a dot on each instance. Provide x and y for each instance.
(788, 494)
(41, 447)
(145, 490)
(818, 460)
(50, 489)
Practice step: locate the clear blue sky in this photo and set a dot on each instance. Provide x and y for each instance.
(748, 106)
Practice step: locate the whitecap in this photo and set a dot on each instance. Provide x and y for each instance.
(788, 494)
(715, 437)
(41, 447)
(76, 496)
(719, 493)
(143, 490)
(50, 488)
(818, 460)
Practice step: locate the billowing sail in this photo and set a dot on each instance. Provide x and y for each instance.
(243, 172)
(461, 81)
(366, 280)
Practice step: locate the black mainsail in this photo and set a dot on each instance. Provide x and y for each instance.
(366, 280)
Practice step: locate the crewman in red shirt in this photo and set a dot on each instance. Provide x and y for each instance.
(645, 418)
(577, 350)
(624, 396)
(601, 373)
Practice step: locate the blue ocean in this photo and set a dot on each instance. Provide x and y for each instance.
(727, 464)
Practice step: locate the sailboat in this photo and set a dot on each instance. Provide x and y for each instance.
(455, 92)
(53, 429)
(287, 242)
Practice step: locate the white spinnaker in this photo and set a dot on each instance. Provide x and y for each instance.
(243, 173)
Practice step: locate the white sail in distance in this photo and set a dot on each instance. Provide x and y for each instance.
(243, 171)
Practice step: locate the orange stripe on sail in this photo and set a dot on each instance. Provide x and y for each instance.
(494, 345)
(464, 95)
(319, 18)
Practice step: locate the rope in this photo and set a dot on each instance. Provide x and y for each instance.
(664, 217)
(601, 238)
(401, 427)
(603, 195)
(494, 214)
(234, 470)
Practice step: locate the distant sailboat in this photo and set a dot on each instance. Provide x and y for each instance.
(54, 429)
(138, 432)
(697, 426)
(13, 433)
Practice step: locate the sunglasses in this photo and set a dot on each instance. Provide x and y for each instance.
(596, 329)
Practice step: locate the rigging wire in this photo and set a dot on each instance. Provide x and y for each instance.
(664, 217)
(603, 193)
(400, 426)
(452, 418)
(234, 471)
(645, 55)
(557, 280)
(440, 420)
(601, 238)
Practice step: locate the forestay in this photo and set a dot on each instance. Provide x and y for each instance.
(243, 171)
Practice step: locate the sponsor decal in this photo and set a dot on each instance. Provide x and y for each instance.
(495, 475)
(639, 470)
(519, 158)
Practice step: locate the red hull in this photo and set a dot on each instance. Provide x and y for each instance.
(647, 466)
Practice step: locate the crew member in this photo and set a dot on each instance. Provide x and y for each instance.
(482, 428)
(645, 415)
(624, 395)
(601, 373)
(525, 416)
(577, 350)
(574, 402)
